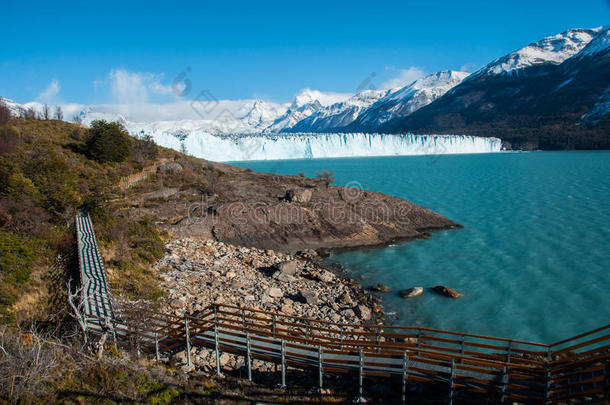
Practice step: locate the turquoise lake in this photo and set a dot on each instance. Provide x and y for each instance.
(533, 259)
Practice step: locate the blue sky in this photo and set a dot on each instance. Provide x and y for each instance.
(132, 51)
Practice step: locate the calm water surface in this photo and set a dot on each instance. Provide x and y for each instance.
(533, 259)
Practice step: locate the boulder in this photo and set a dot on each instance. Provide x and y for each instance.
(171, 167)
(287, 309)
(298, 195)
(325, 276)
(287, 267)
(412, 292)
(348, 313)
(308, 253)
(178, 302)
(364, 312)
(180, 357)
(308, 297)
(380, 288)
(283, 277)
(274, 292)
(446, 292)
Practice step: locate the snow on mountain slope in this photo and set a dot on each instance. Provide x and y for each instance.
(404, 101)
(306, 103)
(599, 44)
(338, 115)
(550, 50)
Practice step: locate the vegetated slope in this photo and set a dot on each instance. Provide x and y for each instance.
(45, 177)
(47, 174)
(550, 95)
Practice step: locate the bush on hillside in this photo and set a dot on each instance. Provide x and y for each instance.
(109, 142)
(5, 114)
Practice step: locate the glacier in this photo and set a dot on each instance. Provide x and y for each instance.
(310, 146)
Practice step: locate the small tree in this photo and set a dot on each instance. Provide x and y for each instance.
(46, 112)
(326, 176)
(5, 114)
(109, 142)
(77, 119)
(145, 148)
(183, 148)
(59, 114)
(30, 113)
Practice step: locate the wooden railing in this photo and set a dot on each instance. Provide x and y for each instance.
(126, 182)
(497, 369)
(494, 369)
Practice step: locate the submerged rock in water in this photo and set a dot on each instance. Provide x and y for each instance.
(412, 292)
(380, 288)
(447, 292)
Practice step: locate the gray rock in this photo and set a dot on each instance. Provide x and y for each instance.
(274, 292)
(178, 303)
(309, 297)
(412, 292)
(283, 277)
(326, 276)
(288, 267)
(171, 167)
(180, 357)
(364, 312)
(348, 313)
(302, 196)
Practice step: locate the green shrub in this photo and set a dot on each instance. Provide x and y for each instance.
(109, 142)
(16, 257)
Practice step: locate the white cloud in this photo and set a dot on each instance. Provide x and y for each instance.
(404, 78)
(468, 67)
(49, 93)
(135, 87)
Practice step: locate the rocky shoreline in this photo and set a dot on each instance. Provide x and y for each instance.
(198, 272)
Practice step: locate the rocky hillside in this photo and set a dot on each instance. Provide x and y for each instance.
(284, 213)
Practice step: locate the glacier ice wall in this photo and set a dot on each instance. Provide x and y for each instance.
(308, 146)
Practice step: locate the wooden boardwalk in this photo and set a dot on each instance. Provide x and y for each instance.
(495, 370)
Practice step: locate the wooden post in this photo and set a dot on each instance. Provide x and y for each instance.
(378, 339)
(188, 342)
(273, 324)
(504, 385)
(451, 386)
(243, 318)
(418, 338)
(509, 350)
(248, 357)
(216, 346)
(404, 377)
(360, 375)
(320, 376)
(463, 338)
(157, 346)
(283, 363)
(341, 339)
(547, 389)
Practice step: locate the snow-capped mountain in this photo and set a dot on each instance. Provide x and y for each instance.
(402, 102)
(338, 115)
(305, 104)
(550, 94)
(550, 50)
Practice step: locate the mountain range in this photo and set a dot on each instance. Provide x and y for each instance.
(550, 94)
